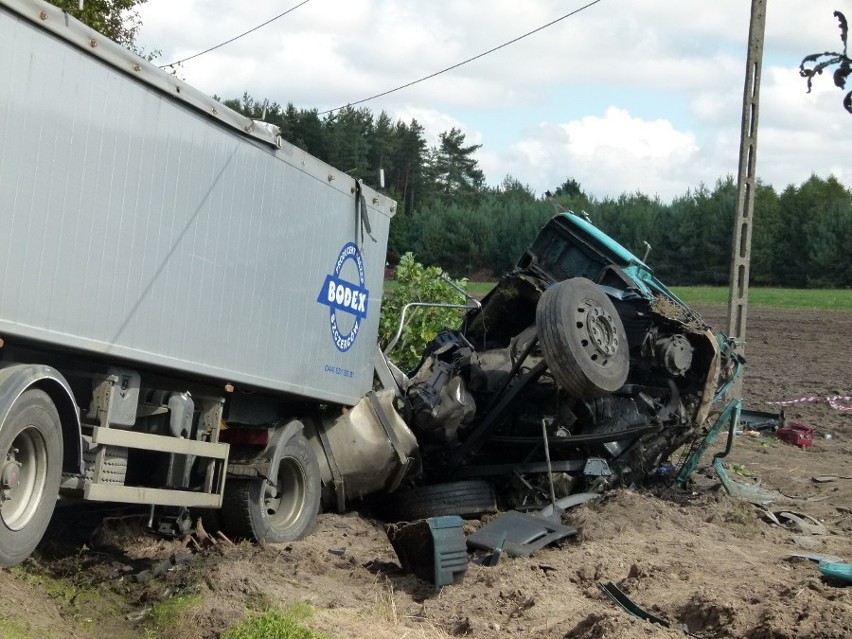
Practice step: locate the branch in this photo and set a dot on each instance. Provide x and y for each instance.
(821, 61)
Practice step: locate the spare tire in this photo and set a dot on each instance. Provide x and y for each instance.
(582, 338)
(466, 498)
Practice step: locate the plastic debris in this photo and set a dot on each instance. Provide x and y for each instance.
(565, 503)
(801, 522)
(518, 534)
(626, 604)
(824, 479)
(815, 558)
(797, 434)
(805, 541)
(836, 569)
(744, 492)
(433, 549)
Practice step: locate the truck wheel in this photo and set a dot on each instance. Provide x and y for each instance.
(283, 508)
(31, 458)
(582, 338)
(469, 497)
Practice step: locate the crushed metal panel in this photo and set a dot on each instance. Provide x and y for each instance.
(518, 534)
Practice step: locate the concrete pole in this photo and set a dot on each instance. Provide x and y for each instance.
(746, 184)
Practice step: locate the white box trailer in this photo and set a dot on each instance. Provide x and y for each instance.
(169, 265)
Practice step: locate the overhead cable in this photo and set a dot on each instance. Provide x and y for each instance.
(464, 62)
(222, 44)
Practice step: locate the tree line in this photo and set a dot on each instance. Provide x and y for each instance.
(802, 236)
(447, 216)
(377, 149)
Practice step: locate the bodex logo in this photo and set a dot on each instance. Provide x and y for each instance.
(347, 300)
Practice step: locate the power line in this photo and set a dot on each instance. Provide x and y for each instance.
(464, 62)
(222, 44)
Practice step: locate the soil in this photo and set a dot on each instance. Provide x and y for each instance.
(697, 558)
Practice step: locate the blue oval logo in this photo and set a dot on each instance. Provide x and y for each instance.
(347, 300)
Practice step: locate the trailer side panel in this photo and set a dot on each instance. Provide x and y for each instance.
(137, 227)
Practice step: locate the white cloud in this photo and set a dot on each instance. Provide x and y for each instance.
(802, 133)
(434, 122)
(608, 155)
(678, 64)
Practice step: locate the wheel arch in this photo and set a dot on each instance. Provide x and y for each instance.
(267, 506)
(280, 436)
(16, 379)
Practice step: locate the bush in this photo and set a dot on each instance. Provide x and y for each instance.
(417, 283)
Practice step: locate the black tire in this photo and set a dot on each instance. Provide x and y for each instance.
(466, 498)
(582, 338)
(255, 509)
(31, 458)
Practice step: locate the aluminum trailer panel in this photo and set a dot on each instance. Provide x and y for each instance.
(140, 221)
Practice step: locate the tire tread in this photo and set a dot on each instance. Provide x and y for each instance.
(554, 307)
(467, 497)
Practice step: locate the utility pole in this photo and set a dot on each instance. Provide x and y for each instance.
(746, 184)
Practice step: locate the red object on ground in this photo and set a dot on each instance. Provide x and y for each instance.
(797, 434)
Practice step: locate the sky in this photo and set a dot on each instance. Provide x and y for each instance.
(623, 96)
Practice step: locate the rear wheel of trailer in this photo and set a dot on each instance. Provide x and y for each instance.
(280, 508)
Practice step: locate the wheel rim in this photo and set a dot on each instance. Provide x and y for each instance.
(599, 335)
(285, 501)
(23, 478)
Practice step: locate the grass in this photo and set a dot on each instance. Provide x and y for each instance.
(11, 629)
(386, 602)
(168, 614)
(837, 299)
(74, 599)
(479, 289)
(276, 624)
(819, 299)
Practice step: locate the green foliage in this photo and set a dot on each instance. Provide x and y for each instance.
(570, 188)
(455, 173)
(117, 19)
(486, 236)
(276, 624)
(355, 142)
(767, 226)
(417, 283)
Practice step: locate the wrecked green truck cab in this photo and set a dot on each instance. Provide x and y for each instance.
(580, 364)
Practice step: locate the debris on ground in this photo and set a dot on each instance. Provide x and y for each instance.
(519, 534)
(836, 570)
(797, 434)
(433, 549)
(626, 604)
(801, 523)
